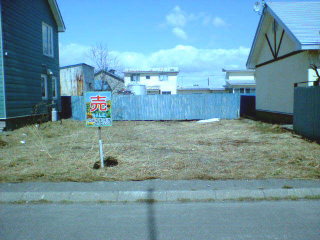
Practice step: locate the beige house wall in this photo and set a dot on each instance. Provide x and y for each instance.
(275, 82)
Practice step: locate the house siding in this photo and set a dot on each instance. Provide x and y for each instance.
(169, 85)
(2, 93)
(25, 62)
(75, 80)
(287, 45)
(275, 82)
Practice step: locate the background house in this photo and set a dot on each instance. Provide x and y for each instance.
(76, 79)
(156, 80)
(29, 59)
(199, 90)
(287, 41)
(240, 81)
(108, 81)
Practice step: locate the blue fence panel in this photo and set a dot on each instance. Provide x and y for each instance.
(168, 107)
(306, 113)
(78, 108)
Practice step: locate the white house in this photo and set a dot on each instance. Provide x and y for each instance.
(240, 81)
(199, 90)
(286, 42)
(156, 80)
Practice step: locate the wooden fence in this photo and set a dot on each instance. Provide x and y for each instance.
(306, 112)
(167, 107)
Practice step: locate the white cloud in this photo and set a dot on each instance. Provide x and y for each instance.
(195, 64)
(219, 22)
(179, 21)
(179, 33)
(73, 53)
(176, 18)
(206, 20)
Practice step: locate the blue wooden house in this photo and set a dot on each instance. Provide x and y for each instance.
(29, 59)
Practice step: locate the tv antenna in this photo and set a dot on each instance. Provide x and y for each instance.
(258, 7)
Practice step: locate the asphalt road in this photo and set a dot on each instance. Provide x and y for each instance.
(275, 220)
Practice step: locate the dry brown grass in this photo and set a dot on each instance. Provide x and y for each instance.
(229, 149)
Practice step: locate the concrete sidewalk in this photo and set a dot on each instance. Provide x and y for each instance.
(159, 190)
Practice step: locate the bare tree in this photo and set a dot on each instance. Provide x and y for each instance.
(106, 65)
(314, 60)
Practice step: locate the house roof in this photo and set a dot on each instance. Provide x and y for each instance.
(238, 71)
(109, 74)
(76, 65)
(57, 15)
(153, 70)
(241, 82)
(300, 20)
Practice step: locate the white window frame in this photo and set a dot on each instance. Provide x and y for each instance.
(47, 40)
(54, 87)
(45, 77)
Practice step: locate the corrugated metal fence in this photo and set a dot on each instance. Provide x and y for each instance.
(306, 113)
(167, 107)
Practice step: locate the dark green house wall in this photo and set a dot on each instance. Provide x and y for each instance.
(25, 62)
(2, 94)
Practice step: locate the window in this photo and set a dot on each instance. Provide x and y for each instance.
(147, 77)
(54, 88)
(135, 78)
(166, 92)
(47, 40)
(44, 87)
(153, 92)
(248, 90)
(163, 77)
(241, 90)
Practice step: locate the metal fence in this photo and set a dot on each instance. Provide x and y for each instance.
(306, 113)
(167, 107)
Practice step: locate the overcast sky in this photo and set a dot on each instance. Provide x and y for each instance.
(199, 36)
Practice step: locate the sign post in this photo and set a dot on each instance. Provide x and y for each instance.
(98, 114)
(100, 148)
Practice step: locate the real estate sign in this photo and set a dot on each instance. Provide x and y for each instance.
(98, 109)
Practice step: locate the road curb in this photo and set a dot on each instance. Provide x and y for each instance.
(159, 196)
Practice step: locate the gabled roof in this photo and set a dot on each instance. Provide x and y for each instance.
(300, 20)
(57, 15)
(109, 74)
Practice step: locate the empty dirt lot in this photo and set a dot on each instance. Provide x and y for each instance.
(228, 149)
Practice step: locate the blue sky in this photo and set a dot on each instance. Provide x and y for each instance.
(199, 36)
